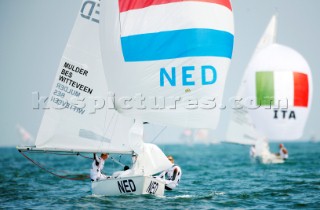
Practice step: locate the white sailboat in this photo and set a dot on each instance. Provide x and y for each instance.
(110, 58)
(279, 80)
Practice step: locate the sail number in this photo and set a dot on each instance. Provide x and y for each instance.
(208, 76)
(153, 187)
(126, 186)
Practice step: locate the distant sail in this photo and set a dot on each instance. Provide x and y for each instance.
(276, 76)
(26, 137)
(157, 51)
(280, 78)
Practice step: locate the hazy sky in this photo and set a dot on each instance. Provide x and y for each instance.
(34, 34)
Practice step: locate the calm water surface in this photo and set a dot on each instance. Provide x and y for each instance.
(214, 177)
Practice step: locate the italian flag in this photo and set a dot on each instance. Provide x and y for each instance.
(272, 86)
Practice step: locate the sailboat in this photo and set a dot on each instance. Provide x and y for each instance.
(197, 136)
(120, 52)
(279, 83)
(26, 137)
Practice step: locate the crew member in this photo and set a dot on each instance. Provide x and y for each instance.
(97, 166)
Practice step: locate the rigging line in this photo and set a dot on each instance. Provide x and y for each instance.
(114, 127)
(108, 127)
(114, 160)
(84, 177)
(84, 156)
(158, 134)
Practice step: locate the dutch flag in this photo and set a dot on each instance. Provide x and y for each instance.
(168, 29)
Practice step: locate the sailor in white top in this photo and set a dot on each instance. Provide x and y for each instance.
(283, 152)
(253, 151)
(172, 176)
(97, 166)
(118, 174)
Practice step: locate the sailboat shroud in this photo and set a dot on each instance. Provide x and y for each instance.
(101, 60)
(279, 80)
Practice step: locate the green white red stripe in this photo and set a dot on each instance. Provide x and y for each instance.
(282, 85)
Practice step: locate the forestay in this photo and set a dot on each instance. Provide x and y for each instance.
(167, 61)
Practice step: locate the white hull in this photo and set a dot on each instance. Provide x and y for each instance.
(137, 185)
(271, 159)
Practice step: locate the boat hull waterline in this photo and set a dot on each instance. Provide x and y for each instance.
(137, 185)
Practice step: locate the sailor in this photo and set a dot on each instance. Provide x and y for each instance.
(119, 174)
(97, 166)
(252, 151)
(283, 153)
(172, 176)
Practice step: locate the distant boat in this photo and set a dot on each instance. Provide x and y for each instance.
(128, 49)
(279, 81)
(26, 137)
(197, 136)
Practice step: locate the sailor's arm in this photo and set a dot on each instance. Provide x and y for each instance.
(176, 172)
(96, 159)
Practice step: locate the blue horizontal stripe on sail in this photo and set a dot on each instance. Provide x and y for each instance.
(177, 44)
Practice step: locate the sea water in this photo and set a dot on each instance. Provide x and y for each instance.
(220, 176)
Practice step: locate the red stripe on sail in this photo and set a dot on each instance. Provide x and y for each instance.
(126, 5)
(301, 89)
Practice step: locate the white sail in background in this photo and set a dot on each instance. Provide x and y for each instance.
(80, 76)
(164, 51)
(280, 78)
(269, 35)
(241, 129)
(274, 73)
(26, 137)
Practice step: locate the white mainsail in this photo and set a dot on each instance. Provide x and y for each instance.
(281, 80)
(275, 74)
(77, 118)
(176, 53)
(80, 78)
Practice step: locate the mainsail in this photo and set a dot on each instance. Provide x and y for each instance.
(167, 61)
(279, 81)
(77, 118)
